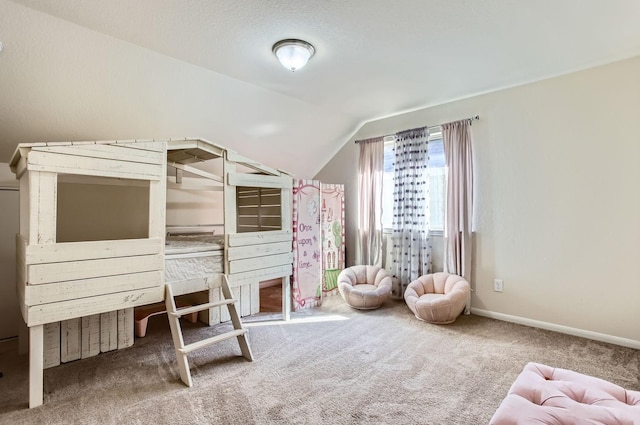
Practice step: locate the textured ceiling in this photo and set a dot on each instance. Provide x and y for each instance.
(96, 69)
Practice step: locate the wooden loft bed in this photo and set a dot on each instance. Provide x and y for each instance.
(256, 240)
(79, 290)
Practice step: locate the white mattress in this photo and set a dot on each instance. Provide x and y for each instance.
(193, 243)
(193, 256)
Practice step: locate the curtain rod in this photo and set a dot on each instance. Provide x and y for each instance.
(474, 118)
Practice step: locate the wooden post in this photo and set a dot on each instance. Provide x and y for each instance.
(286, 214)
(158, 204)
(230, 227)
(286, 298)
(23, 335)
(43, 194)
(43, 191)
(36, 364)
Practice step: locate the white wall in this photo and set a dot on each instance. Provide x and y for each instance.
(558, 206)
(7, 178)
(9, 226)
(195, 207)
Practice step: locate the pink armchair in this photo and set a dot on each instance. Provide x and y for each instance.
(437, 298)
(364, 287)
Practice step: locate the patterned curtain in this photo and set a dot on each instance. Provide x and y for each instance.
(411, 252)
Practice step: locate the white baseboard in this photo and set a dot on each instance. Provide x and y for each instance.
(558, 328)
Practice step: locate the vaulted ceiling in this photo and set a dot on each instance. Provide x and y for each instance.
(122, 69)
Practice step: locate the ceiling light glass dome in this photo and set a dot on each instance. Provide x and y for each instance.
(293, 54)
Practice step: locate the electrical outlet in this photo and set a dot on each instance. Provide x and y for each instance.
(498, 285)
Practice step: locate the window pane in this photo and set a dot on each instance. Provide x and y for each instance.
(387, 187)
(436, 171)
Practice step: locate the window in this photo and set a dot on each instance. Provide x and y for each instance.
(101, 208)
(436, 173)
(258, 209)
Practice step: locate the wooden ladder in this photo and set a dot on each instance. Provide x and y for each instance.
(182, 350)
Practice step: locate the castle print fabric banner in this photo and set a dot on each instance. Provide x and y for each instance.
(332, 213)
(307, 248)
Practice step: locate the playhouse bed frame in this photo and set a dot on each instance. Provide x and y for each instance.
(77, 298)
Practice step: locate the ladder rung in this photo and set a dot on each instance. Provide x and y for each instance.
(200, 307)
(206, 342)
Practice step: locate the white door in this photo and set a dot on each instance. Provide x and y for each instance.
(9, 226)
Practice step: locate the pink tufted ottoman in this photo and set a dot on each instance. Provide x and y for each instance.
(547, 395)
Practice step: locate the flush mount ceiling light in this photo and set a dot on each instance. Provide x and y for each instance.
(293, 54)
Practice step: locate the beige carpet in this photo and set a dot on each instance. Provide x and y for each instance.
(334, 366)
